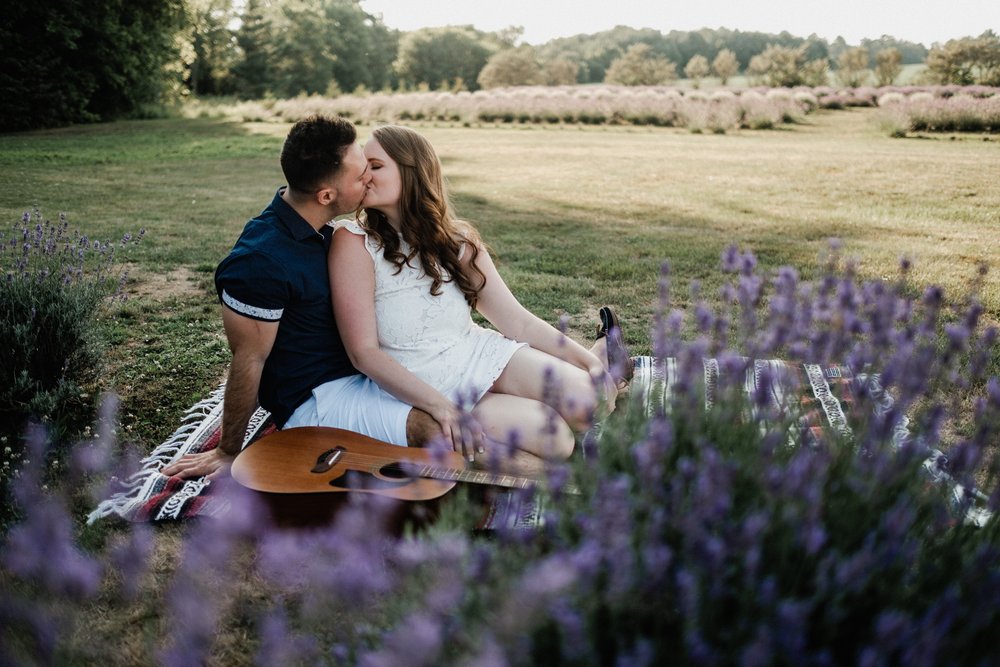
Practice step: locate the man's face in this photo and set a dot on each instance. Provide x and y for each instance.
(352, 181)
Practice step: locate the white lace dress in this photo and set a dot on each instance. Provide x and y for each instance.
(434, 337)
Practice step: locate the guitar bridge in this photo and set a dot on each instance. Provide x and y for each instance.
(328, 459)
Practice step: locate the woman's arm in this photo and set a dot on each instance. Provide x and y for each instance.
(352, 286)
(505, 312)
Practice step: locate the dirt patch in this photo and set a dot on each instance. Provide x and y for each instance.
(179, 282)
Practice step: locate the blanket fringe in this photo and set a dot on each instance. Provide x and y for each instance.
(137, 487)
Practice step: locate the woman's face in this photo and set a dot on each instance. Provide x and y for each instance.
(384, 192)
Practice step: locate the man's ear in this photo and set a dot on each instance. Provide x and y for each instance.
(326, 196)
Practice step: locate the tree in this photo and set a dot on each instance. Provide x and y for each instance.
(434, 55)
(725, 65)
(757, 70)
(365, 48)
(326, 46)
(508, 37)
(252, 74)
(888, 65)
(303, 54)
(966, 61)
(594, 53)
(513, 67)
(852, 67)
(207, 50)
(641, 67)
(71, 61)
(911, 53)
(837, 47)
(697, 69)
(560, 72)
(816, 72)
(778, 66)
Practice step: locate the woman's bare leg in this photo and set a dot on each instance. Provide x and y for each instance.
(539, 376)
(522, 434)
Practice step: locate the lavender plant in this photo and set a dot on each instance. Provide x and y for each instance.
(963, 112)
(662, 106)
(721, 531)
(731, 533)
(56, 283)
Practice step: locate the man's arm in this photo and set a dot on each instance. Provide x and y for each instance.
(250, 341)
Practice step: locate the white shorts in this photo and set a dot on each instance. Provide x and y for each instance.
(354, 403)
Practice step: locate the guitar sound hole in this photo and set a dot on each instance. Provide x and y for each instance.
(394, 471)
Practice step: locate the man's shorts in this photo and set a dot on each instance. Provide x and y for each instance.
(354, 403)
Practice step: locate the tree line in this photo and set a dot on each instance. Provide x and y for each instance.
(67, 61)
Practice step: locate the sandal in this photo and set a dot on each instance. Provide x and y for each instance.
(619, 359)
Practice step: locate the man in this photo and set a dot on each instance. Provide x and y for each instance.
(278, 316)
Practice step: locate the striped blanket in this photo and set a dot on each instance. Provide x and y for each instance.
(818, 395)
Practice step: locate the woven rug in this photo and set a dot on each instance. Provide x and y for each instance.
(148, 496)
(819, 397)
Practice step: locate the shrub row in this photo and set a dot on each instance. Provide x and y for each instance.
(661, 106)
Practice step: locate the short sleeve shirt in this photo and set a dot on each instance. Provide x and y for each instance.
(277, 272)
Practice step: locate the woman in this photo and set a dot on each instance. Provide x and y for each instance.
(404, 278)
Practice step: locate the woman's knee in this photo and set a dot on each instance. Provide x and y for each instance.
(550, 437)
(562, 440)
(579, 400)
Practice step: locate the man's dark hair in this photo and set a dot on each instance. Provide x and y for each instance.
(314, 151)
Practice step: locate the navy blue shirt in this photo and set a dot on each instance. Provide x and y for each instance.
(277, 272)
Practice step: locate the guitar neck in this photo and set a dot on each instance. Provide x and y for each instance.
(480, 477)
(475, 477)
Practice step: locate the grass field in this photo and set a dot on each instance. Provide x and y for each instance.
(578, 217)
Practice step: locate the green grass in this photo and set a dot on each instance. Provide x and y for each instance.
(578, 217)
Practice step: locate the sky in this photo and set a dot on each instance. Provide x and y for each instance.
(923, 21)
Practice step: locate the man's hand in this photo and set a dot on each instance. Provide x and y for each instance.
(214, 463)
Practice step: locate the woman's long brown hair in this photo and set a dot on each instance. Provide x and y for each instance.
(428, 225)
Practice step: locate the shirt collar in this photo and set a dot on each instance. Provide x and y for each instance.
(290, 218)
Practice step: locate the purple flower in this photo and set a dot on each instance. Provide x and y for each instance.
(130, 558)
(731, 259)
(42, 549)
(280, 646)
(417, 641)
(193, 618)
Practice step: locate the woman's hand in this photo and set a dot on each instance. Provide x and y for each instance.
(461, 431)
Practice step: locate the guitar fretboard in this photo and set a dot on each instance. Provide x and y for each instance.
(476, 477)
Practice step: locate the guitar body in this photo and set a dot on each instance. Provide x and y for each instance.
(321, 460)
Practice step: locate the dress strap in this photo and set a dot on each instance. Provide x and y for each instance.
(353, 227)
(350, 225)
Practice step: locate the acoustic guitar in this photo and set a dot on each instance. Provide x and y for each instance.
(316, 460)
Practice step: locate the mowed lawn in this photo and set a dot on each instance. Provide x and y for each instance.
(577, 217)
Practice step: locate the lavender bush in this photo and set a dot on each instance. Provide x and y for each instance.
(942, 108)
(55, 284)
(924, 112)
(661, 106)
(705, 533)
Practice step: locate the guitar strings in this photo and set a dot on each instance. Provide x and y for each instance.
(372, 459)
